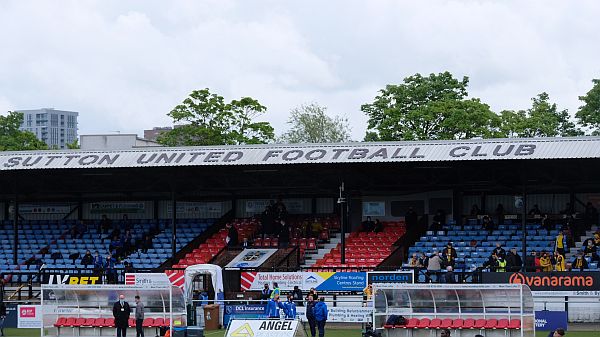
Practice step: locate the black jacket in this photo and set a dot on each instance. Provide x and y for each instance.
(310, 310)
(121, 314)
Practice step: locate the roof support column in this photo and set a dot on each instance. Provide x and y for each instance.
(343, 219)
(16, 231)
(174, 224)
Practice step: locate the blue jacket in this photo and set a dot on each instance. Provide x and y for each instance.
(321, 311)
(272, 309)
(290, 310)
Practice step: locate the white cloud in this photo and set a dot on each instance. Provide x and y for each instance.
(125, 64)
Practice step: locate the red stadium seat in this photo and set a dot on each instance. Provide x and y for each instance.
(70, 321)
(412, 323)
(514, 324)
(109, 322)
(60, 322)
(159, 321)
(446, 323)
(502, 324)
(435, 323)
(89, 322)
(480, 323)
(491, 324)
(469, 323)
(131, 322)
(99, 322)
(424, 323)
(457, 323)
(148, 322)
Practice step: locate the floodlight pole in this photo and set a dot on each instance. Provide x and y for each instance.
(343, 213)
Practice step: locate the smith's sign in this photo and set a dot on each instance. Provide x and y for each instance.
(261, 155)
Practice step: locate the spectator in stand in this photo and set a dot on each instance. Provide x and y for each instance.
(368, 225)
(500, 252)
(423, 260)
(411, 218)
(297, 296)
(475, 211)
(232, 236)
(126, 242)
(321, 316)
(535, 211)
(473, 243)
(500, 214)
(449, 254)
(316, 228)
(530, 261)
(87, 259)
(109, 269)
(378, 226)
(280, 209)
(500, 264)
(449, 277)
(559, 262)
(98, 262)
(414, 261)
(590, 249)
(56, 255)
(546, 222)
(491, 262)
(266, 220)
(126, 224)
(434, 266)
(560, 242)
(545, 262)
(265, 293)
(368, 292)
(105, 225)
(128, 266)
(579, 262)
(439, 219)
(74, 256)
(284, 234)
(488, 224)
(513, 260)
(147, 244)
(312, 292)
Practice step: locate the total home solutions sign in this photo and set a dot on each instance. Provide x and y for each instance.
(340, 153)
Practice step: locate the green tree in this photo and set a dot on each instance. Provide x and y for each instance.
(13, 139)
(589, 113)
(432, 107)
(74, 145)
(311, 124)
(208, 120)
(543, 119)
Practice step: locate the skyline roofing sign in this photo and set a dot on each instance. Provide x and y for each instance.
(277, 154)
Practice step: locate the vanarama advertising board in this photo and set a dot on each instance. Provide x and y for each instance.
(551, 283)
(262, 328)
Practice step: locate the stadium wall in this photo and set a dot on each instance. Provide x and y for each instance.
(423, 203)
(550, 203)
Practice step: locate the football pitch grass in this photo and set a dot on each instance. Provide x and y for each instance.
(333, 332)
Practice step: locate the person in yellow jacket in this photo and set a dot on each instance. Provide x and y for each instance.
(368, 292)
(560, 262)
(546, 262)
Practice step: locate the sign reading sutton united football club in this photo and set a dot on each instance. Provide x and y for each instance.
(303, 154)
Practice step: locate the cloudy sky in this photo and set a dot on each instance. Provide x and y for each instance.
(124, 64)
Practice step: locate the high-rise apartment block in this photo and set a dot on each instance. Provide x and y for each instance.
(57, 128)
